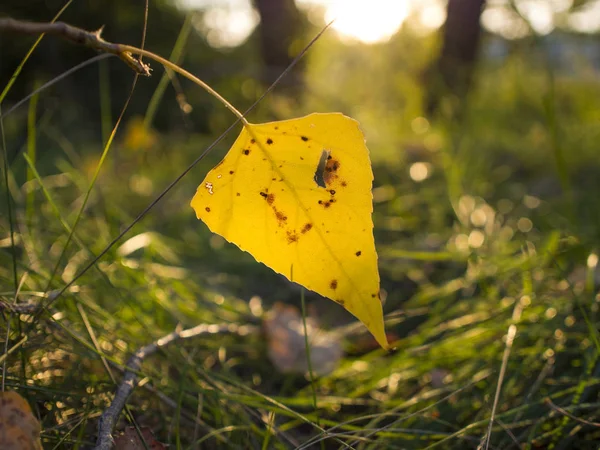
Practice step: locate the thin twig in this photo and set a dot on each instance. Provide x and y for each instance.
(198, 418)
(110, 138)
(509, 432)
(564, 412)
(56, 80)
(92, 39)
(510, 337)
(130, 379)
(11, 350)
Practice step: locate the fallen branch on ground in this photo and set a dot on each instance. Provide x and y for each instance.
(130, 379)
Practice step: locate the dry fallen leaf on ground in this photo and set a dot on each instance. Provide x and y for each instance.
(19, 429)
(130, 440)
(284, 328)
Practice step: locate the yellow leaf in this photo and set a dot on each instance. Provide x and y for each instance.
(286, 342)
(296, 195)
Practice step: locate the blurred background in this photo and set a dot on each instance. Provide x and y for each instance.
(483, 124)
(245, 44)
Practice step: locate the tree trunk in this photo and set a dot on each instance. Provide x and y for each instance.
(280, 27)
(450, 76)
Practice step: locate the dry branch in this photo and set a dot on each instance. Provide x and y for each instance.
(76, 35)
(130, 379)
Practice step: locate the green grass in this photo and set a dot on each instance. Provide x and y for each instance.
(500, 233)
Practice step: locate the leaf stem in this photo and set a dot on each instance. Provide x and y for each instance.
(175, 68)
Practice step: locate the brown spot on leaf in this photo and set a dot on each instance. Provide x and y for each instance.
(332, 192)
(333, 284)
(304, 138)
(277, 128)
(246, 152)
(252, 141)
(264, 194)
(231, 172)
(331, 168)
(306, 228)
(237, 194)
(326, 204)
(340, 301)
(344, 184)
(270, 199)
(269, 141)
(292, 236)
(281, 217)
(358, 253)
(207, 209)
